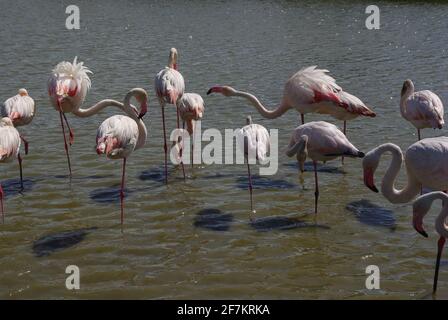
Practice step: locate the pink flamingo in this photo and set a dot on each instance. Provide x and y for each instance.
(170, 86)
(9, 149)
(253, 139)
(423, 109)
(420, 209)
(119, 136)
(310, 90)
(426, 165)
(67, 88)
(191, 108)
(321, 141)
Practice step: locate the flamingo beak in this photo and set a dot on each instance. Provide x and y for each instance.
(418, 226)
(175, 66)
(368, 180)
(143, 110)
(214, 89)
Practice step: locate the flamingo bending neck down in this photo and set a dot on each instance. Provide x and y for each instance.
(420, 208)
(9, 149)
(423, 109)
(310, 90)
(321, 141)
(67, 88)
(118, 136)
(169, 86)
(426, 165)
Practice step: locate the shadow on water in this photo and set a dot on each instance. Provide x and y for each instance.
(154, 174)
(309, 167)
(80, 178)
(108, 195)
(283, 223)
(259, 182)
(48, 244)
(219, 176)
(213, 219)
(371, 214)
(12, 187)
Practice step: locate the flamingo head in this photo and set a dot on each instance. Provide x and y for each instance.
(224, 90)
(408, 86)
(420, 209)
(142, 98)
(172, 61)
(23, 92)
(370, 164)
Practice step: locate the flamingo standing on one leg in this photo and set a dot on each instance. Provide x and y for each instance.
(9, 149)
(253, 139)
(426, 165)
(420, 209)
(321, 141)
(20, 109)
(170, 86)
(310, 90)
(191, 108)
(119, 135)
(423, 109)
(67, 87)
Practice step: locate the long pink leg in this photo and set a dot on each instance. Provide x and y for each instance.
(316, 190)
(25, 143)
(250, 187)
(180, 153)
(440, 245)
(345, 134)
(65, 139)
(1, 204)
(122, 191)
(165, 147)
(19, 158)
(71, 134)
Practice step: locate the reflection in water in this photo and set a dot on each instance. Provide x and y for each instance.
(263, 182)
(48, 244)
(213, 219)
(371, 214)
(12, 187)
(320, 167)
(283, 223)
(108, 195)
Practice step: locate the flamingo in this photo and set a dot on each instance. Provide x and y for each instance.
(423, 109)
(191, 108)
(9, 149)
(321, 141)
(420, 208)
(119, 136)
(310, 90)
(426, 165)
(67, 88)
(253, 139)
(170, 86)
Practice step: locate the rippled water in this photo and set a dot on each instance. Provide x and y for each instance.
(194, 239)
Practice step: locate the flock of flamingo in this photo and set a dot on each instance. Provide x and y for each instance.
(310, 90)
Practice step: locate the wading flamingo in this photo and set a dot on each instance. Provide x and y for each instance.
(321, 141)
(170, 86)
(67, 89)
(191, 108)
(426, 165)
(118, 136)
(423, 109)
(310, 90)
(420, 209)
(9, 149)
(253, 139)
(20, 109)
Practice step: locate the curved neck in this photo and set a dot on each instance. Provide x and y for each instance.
(388, 189)
(270, 114)
(84, 113)
(405, 94)
(424, 203)
(132, 113)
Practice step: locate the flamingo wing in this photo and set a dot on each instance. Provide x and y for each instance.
(254, 140)
(169, 81)
(426, 106)
(9, 143)
(353, 104)
(22, 105)
(191, 105)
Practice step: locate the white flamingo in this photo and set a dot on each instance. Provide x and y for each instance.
(67, 88)
(254, 141)
(420, 209)
(321, 141)
(170, 86)
(423, 109)
(119, 136)
(310, 90)
(9, 149)
(426, 165)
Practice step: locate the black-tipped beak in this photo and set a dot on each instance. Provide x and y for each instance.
(423, 233)
(209, 91)
(373, 188)
(361, 154)
(141, 115)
